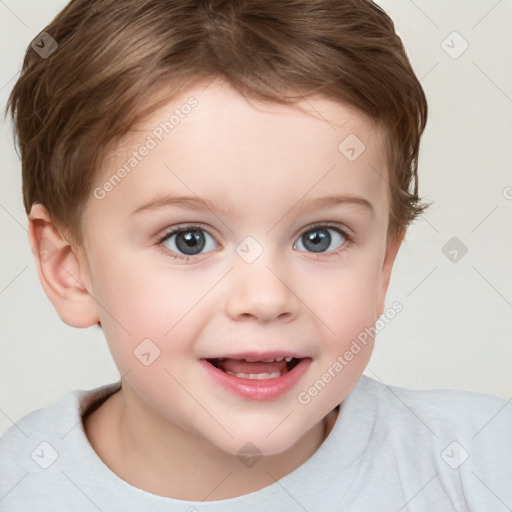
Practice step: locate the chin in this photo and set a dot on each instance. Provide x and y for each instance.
(258, 444)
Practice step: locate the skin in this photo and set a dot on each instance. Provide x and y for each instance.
(171, 430)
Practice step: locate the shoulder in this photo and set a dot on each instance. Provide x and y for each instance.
(48, 423)
(38, 447)
(459, 441)
(55, 420)
(442, 410)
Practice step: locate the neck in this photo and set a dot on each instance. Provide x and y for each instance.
(151, 453)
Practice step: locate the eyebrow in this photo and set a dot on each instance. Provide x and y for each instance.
(197, 203)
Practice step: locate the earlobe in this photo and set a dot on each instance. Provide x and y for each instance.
(391, 251)
(63, 275)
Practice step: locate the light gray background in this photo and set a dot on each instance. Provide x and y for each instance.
(455, 330)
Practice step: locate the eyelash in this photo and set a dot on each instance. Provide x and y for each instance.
(194, 227)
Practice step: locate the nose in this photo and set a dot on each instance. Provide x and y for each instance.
(262, 292)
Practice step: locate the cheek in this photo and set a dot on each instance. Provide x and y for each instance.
(139, 300)
(347, 304)
(151, 319)
(347, 312)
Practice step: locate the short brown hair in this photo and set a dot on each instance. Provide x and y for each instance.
(71, 108)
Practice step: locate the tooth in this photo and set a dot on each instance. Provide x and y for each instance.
(256, 376)
(279, 358)
(288, 359)
(267, 360)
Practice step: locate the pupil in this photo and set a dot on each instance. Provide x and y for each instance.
(190, 242)
(319, 238)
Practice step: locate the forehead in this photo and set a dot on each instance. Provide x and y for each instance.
(214, 143)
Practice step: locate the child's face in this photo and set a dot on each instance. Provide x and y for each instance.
(251, 282)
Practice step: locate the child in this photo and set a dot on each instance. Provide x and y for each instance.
(223, 188)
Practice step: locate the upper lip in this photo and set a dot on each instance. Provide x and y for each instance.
(259, 356)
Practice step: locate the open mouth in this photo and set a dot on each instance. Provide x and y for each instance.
(255, 370)
(257, 376)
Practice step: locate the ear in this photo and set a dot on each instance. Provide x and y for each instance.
(63, 273)
(392, 247)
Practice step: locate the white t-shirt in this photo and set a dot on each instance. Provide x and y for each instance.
(391, 450)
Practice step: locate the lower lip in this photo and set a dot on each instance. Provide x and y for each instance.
(256, 389)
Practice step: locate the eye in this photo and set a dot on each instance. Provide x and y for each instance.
(319, 239)
(187, 241)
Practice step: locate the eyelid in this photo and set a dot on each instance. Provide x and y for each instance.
(188, 225)
(178, 228)
(325, 224)
(183, 227)
(345, 232)
(197, 226)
